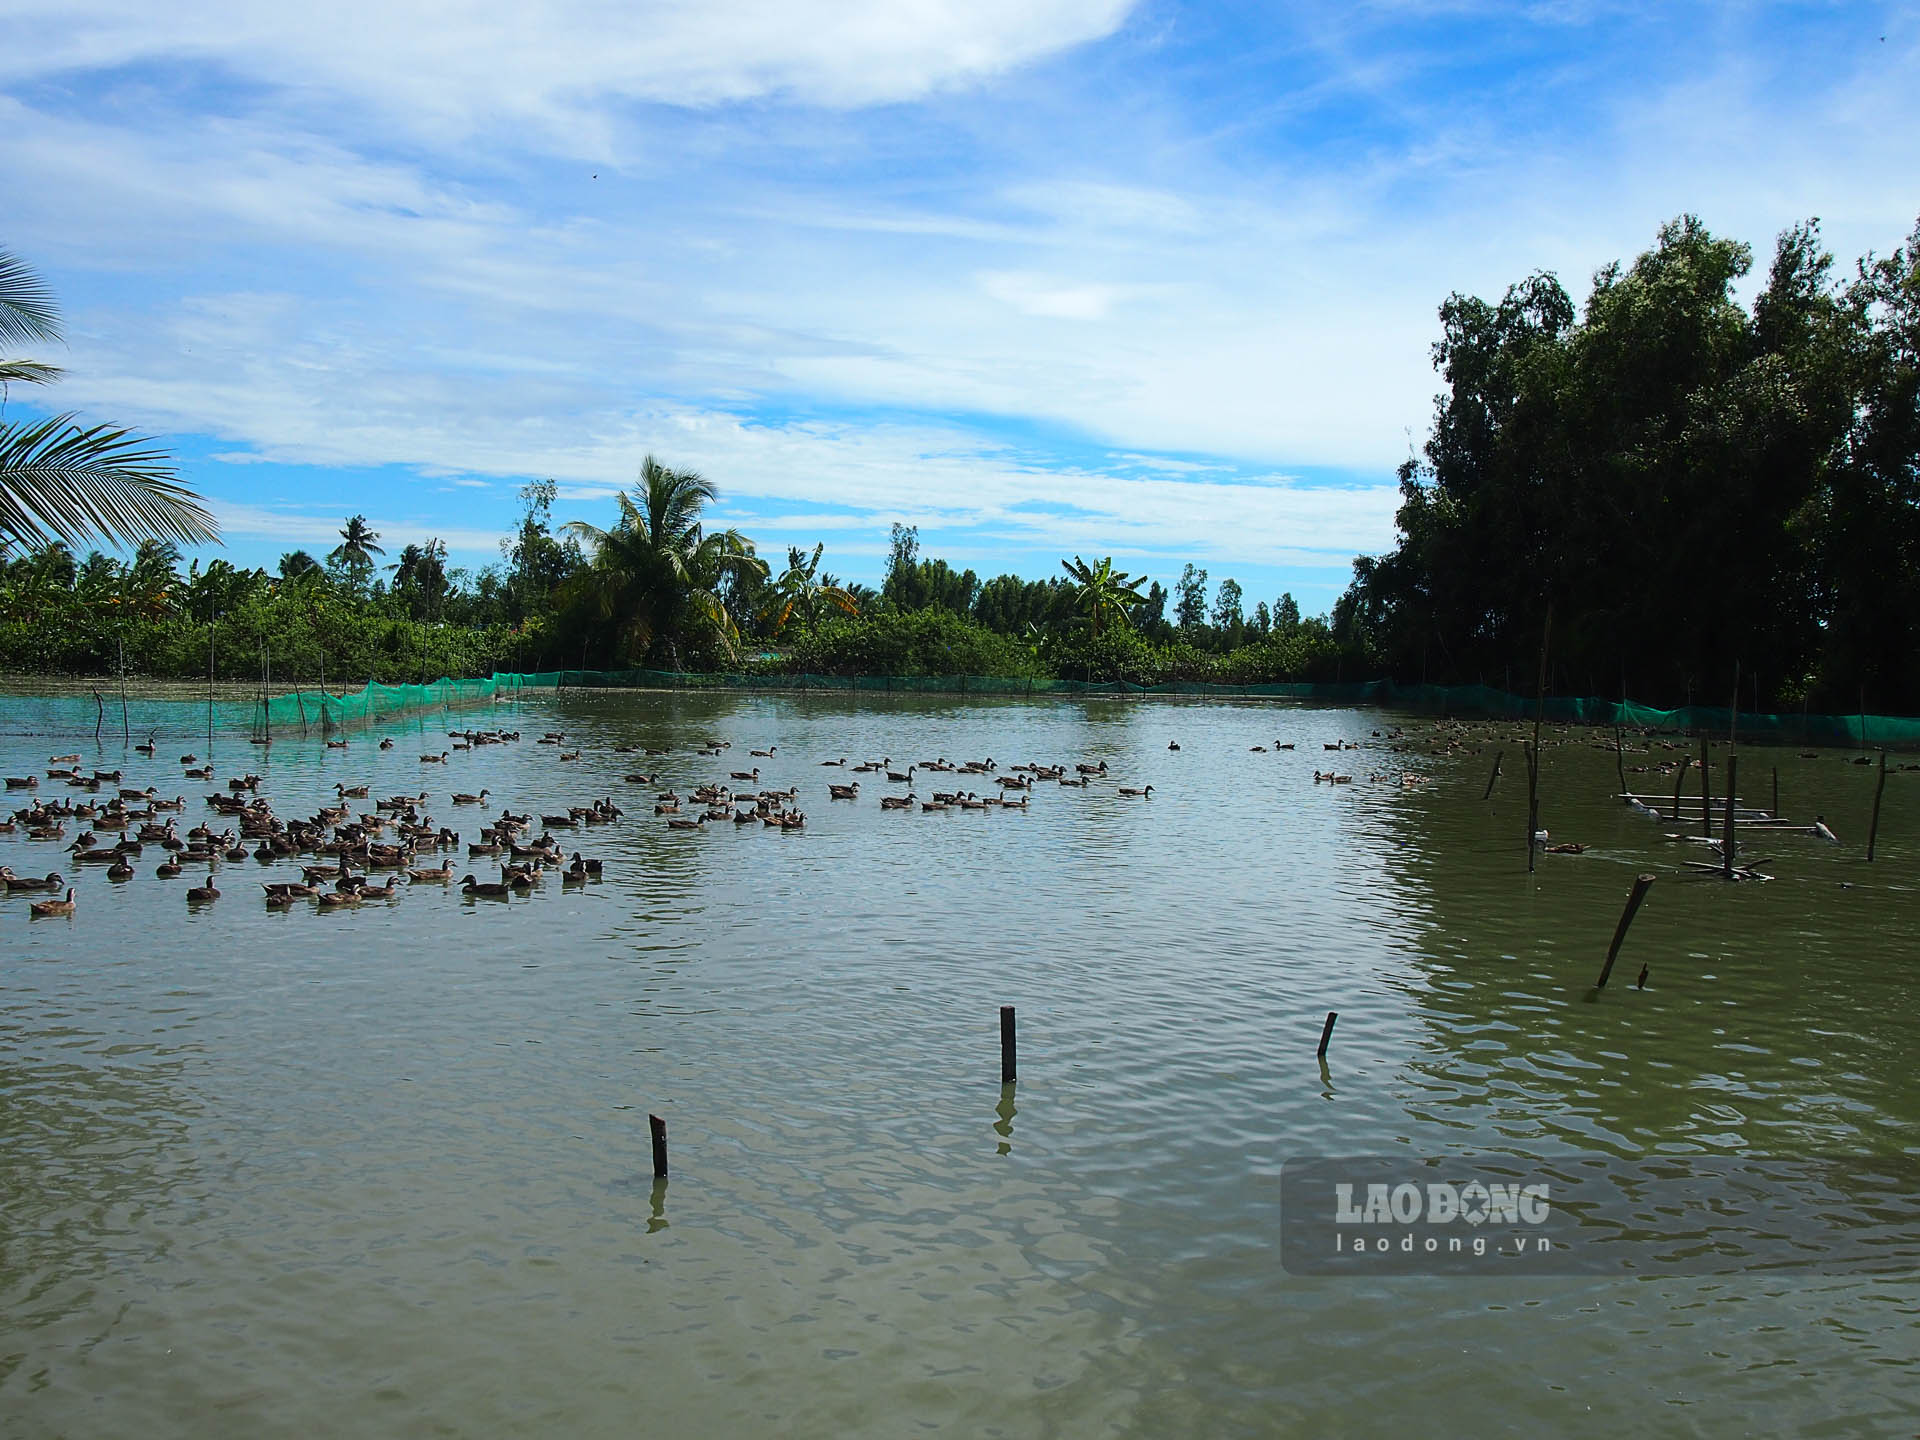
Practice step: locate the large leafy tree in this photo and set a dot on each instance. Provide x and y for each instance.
(800, 593)
(65, 481)
(1693, 486)
(1105, 596)
(655, 576)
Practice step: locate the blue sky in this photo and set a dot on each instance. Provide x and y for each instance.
(1043, 277)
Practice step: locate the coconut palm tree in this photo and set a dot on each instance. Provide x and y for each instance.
(655, 574)
(1104, 595)
(61, 480)
(356, 550)
(801, 592)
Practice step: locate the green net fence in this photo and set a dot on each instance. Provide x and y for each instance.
(312, 709)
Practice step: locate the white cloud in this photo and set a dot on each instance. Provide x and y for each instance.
(468, 65)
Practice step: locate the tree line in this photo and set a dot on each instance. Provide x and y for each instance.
(656, 588)
(1691, 487)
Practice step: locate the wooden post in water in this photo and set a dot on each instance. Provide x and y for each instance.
(659, 1129)
(126, 737)
(1619, 760)
(1495, 775)
(1326, 1034)
(1533, 758)
(1726, 838)
(1873, 826)
(1706, 786)
(1009, 1056)
(99, 717)
(1533, 799)
(209, 685)
(1679, 779)
(1640, 887)
(1775, 811)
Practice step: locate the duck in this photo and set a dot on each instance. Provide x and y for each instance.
(53, 881)
(1143, 794)
(338, 899)
(1099, 769)
(683, 824)
(753, 774)
(1079, 784)
(844, 792)
(766, 754)
(208, 891)
(585, 866)
(464, 799)
(386, 743)
(929, 805)
(168, 868)
(439, 759)
(120, 869)
(53, 907)
(841, 762)
(488, 889)
(441, 875)
(1173, 745)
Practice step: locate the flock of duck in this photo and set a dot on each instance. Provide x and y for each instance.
(336, 849)
(735, 801)
(339, 847)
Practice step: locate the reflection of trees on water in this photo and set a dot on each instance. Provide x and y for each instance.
(1775, 1021)
(87, 1153)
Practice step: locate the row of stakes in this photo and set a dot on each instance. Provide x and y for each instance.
(1010, 1046)
(1009, 1073)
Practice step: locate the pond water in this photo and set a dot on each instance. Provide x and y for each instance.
(386, 1169)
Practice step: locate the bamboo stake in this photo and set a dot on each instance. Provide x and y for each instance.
(1726, 840)
(1873, 826)
(1706, 787)
(1640, 887)
(1533, 759)
(1495, 775)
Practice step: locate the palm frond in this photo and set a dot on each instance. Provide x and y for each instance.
(59, 481)
(592, 534)
(27, 309)
(28, 372)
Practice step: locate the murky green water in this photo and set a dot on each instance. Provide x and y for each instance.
(386, 1170)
